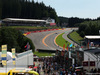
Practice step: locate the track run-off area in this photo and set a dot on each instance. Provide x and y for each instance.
(46, 40)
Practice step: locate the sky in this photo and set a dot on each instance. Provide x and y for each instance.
(75, 8)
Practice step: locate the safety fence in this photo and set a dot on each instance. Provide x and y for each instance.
(41, 31)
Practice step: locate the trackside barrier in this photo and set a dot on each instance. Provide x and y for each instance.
(44, 50)
(71, 38)
(40, 31)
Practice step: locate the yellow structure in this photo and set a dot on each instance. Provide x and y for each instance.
(4, 54)
(17, 71)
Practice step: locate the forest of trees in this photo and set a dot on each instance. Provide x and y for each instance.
(14, 39)
(75, 21)
(26, 9)
(72, 21)
(89, 28)
(34, 10)
(62, 20)
(86, 26)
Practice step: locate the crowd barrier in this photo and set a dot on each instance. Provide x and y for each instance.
(40, 31)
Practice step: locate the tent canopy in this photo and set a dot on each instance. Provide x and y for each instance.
(92, 37)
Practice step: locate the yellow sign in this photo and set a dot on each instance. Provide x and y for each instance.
(4, 54)
(13, 56)
(4, 62)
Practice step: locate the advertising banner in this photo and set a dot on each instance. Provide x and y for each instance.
(13, 55)
(4, 54)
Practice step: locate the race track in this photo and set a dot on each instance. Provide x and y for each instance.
(45, 40)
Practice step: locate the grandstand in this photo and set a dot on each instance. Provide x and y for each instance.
(93, 40)
(28, 22)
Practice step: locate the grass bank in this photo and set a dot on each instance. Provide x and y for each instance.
(75, 37)
(61, 41)
(42, 54)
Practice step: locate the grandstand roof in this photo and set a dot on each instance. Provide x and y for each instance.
(92, 37)
(25, 20)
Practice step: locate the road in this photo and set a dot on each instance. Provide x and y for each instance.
(66, 38)
(45, 40)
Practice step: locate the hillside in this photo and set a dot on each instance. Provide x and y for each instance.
(89, 28)
(26, 9)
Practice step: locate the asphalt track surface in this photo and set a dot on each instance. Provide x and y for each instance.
(45, 40)
(69, 40)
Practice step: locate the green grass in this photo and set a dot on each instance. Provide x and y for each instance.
(61, 41)
(42, 54)
(76, 37)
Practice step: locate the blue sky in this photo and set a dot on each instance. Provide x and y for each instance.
(75, 8)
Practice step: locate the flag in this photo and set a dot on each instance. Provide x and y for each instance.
(62, 53)
(4, 54)
(81, 46)
(70, 45)
(67, 47)
(27, 47)
(13, 56)
(64, 47)
(88, 45)
(78, 54)
(69, 54)
(56, 51)
(91, 44)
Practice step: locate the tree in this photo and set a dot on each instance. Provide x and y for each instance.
(98, 18)
(26, 9)
(82, 34)
(82, 27)
(13, 38)
(0, 37)
(74, 20)
(0, 9)
(63, 20)
(10, 40)
(87, 30)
